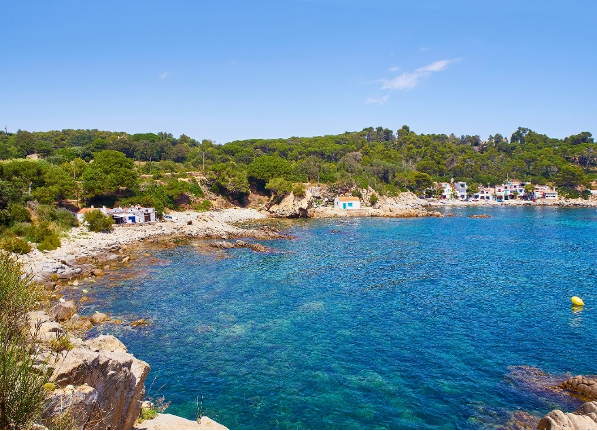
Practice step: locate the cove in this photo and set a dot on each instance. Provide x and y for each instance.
(386, 323)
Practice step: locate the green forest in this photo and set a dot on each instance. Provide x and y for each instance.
(93, 167)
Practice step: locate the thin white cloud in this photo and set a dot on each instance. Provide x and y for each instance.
(377, 100)
(423, 49)
(437, 66)
(394, 69)
(409, 80)
(164, 75)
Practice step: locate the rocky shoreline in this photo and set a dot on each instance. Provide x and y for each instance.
(83, 374)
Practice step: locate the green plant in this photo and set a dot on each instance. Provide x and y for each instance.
(98, 222)
(49, 242)
(15, 245)
(21, 379)
(203, 206)
(373, 199)
(147, 414)
(61, 343)
(299, 190)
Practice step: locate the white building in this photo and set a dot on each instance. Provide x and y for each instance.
(484, 194)
(347, 203)
(461, 190)
(544, 192)
(446, 190)
(80, 215)
(136, 214)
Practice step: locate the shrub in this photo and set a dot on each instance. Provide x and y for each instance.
(61, 343)
(98, 222)
(195, 189)
(21, 229)
(373, 199)
(15, 245)
(50, 242)
(147, 414)
(66, 219)
(19, 214)
(299, 190)
(279, 186)
(203, 206)
(21, 380)
(43, 234)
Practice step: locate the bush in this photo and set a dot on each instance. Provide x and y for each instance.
(19, 214)
(98, 222)
(299, 190)
(203, 206)
(44, 235)
(66, 219)
(21, 380)
(373, 199)
(279, 186)
(50, 242)
(147, 414)
(15, 245)
(21, 229)
(195, 189)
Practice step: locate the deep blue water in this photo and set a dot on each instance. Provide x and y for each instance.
(388, 323)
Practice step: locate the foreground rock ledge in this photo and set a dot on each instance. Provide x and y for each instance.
(585, 418)
(171, 422)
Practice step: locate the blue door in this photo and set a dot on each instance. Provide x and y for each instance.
(343, 206)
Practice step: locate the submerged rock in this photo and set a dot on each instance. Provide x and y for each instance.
(583, 387)
(140, 322)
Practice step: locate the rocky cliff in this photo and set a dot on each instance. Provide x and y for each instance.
(95, 384)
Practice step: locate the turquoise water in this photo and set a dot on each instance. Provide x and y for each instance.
(388, 323)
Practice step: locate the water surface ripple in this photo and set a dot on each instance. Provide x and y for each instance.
(388, 323)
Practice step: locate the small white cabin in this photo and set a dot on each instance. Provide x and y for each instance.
(347, 203)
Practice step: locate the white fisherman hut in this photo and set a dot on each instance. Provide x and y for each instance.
(347, 203)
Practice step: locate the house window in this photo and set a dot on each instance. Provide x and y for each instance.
(349, 204)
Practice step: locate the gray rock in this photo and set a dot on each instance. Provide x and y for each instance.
(62, 311)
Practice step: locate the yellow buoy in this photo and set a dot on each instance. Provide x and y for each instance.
(577, 301)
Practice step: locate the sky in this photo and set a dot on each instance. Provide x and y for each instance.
(226, 70)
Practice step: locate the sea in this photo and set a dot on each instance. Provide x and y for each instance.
(368, 323)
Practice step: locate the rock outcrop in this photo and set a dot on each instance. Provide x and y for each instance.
(584, 387)
(225, 245)
(171, 422)
(585, 418)
(99, 385)
(292, 206)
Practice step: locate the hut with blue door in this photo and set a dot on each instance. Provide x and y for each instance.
(347, 203)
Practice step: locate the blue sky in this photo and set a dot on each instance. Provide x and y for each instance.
(226, 70)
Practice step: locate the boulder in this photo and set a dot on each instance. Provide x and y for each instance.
(107, 385)
(585, 418)
(79, 323)
(62, 311)
(99, 318)
(584, 387)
